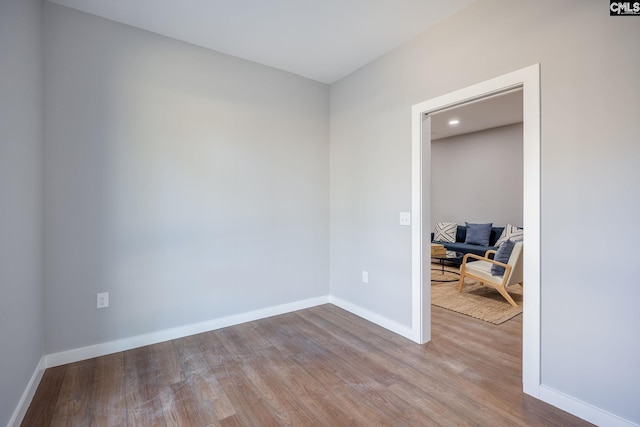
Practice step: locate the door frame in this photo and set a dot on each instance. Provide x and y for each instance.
(529, 79)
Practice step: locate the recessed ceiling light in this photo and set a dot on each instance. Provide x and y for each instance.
(454, 122)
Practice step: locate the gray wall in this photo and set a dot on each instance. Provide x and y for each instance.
(21, 327)
(590, 64)
(190, 185)
(477, 177)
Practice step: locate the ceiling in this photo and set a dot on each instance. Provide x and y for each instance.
(486, 113)
(323, 40)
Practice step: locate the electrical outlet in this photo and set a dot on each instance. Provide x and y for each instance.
(405, 218)
(365, 276)
(103, 300)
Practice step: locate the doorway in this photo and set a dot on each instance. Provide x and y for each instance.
(529, 80)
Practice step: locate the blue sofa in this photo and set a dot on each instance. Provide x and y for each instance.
(465, 248)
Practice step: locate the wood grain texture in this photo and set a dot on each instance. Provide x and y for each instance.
(316, 367)
(74, 400)
(44, 401)
(108, 400)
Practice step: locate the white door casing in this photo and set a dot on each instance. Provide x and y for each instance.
(529, 79)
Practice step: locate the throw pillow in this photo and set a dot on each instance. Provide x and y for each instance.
(478, 234)
(510, 232)
(445, 232)
(502, 255)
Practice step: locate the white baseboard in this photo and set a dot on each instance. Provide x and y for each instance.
(27, 396)
(379, 320)
(581, 409)
(124, 344)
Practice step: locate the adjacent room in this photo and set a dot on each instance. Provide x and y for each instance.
(205, 213)
(465, 195)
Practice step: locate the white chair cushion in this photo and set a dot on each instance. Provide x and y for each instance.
(482, 269)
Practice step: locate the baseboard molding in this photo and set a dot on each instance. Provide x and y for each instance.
(581, 409)
(75, 355)
(27, 396)
(379, 320)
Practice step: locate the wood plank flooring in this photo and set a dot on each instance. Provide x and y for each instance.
(316, 367)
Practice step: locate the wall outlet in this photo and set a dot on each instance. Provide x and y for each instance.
(405, 218)
(365, 276)
(103, 300)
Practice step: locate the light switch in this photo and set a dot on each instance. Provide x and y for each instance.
(405, 218)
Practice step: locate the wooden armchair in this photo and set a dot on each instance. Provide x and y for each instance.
(480, 270)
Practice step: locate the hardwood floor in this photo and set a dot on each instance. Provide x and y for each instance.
(316, 367)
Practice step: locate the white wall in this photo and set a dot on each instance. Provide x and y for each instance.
(21, 327)
(190, 185)
(477, 177)
(590, 179)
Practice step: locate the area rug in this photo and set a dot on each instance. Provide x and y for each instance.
(481, 302)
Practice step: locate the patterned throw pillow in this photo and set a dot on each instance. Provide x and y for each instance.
(510, 232)
(445, 232)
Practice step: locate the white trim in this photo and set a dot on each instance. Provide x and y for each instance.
(27, 396)
(124, 344)
(581, 409)
(529, 79)
(420, 193)
(532, 321)
(379, 320)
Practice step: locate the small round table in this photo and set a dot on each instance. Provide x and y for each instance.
(452, 257)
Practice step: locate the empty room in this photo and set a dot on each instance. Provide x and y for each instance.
(219, 213)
